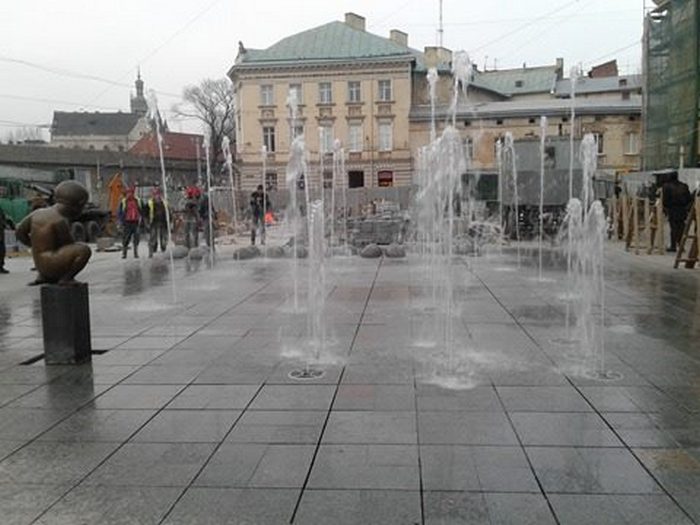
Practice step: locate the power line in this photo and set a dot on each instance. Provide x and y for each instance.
(54, 101)
(509, 20)
(387, 17)
(14, 124)
(524, 26)
(73, 74)
(160, 46)
(625, 48)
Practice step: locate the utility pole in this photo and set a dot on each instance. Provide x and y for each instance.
(441, 29)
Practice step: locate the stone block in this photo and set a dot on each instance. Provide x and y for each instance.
(65, 316)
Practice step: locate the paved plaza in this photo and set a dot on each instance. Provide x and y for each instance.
(188, 415)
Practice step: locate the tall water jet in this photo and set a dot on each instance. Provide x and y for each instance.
(587, 230)
(228, 161)
(501, 174)
(296, 168)
(575, 73)
(344, 185)
(154, 115)
(510, 166)
(432, 77)
(336, 168)
(210, 214)
(316, 278)
(442, 164)
(263, 155)
(543, 136)
(588, 155)
(462, 72)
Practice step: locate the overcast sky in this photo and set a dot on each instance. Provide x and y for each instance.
(73, 55)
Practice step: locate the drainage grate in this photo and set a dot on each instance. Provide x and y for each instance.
(306, 374)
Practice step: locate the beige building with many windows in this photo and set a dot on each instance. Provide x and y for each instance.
(370, 95)
(350, 85)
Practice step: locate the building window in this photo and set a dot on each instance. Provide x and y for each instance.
(325, 94)
(469, 147)
(385, 179)
(326, 137)
(356, 179)
(295, 131)
(269, 138)
(295, 93)
(327, 179)
(355, 138)
(354, 92)
(631, 144)
(271, 181)
(600, 142)
(499, 122)
(386, 134)
(625, 95)
(385, 90)
(518, 83)
(266, 95)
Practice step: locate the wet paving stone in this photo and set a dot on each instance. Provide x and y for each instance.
(590, 471)
(191, 416)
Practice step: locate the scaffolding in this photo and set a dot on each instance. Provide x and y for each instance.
(672, 80)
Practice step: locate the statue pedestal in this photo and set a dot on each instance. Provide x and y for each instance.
(65, 316)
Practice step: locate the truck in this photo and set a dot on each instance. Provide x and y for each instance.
(18, 198)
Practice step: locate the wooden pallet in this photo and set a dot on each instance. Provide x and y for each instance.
(644, 225)
(691, 231)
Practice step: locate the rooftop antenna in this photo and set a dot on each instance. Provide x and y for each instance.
(441, 29)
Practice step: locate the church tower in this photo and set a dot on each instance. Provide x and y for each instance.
(139, 105)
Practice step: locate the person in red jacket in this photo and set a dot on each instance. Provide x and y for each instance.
(130, 218)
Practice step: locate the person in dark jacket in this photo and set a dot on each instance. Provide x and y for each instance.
(157, 211)
(259, 206)
(5, 222)
(191, 217)
(676, 201)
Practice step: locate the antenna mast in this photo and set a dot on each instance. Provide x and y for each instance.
(441, 30)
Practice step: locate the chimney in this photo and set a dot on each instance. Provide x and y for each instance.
(437, 56)
(399, 37)
(560, 68)
(355, 21)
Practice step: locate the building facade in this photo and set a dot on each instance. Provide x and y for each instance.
(671, 63)
(371, 94)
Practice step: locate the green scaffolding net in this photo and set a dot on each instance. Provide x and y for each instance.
(672, 68)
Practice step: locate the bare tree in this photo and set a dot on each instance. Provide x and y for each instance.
(211, 102)
(25, 134)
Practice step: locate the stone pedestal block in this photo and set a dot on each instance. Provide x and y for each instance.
(65, 316)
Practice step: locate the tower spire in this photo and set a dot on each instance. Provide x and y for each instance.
(138, 102)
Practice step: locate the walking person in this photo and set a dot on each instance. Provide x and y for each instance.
(259, 206)
(204, 216)
(130, 216)
(676, 201)
(191, 216)
(157, 223)
(5, 222)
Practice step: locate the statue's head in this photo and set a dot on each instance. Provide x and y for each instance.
(71, 196)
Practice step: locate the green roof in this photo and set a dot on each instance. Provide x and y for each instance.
(330, 42)
(519, 81)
